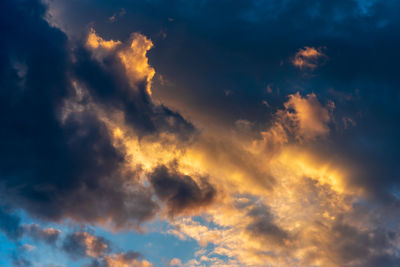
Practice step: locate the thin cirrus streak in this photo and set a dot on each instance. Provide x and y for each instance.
(117, 153)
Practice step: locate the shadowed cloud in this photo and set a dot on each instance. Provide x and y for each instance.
(181, 193)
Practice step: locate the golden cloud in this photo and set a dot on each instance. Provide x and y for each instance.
(133, 56)
(278, 201)
(308, 58)
(135, 60)
(309, 118)
(95, 42)
(121, 260)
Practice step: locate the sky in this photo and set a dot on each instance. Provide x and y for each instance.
(199, 133)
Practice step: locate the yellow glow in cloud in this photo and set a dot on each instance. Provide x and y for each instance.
(120, 260)
(94, 248)
(304, 164)
(310, 117)
(135, 60)
(133, 57)
(94, 41)
(305, 193)
(304, 190)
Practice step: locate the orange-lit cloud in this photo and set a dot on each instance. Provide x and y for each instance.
(91, 246)
(307, 116)
(135, 60)
(269, 195)
(125, 260)
(85, 143)
(277, 200)
(308, 58)
(132, 56)
(95, 42)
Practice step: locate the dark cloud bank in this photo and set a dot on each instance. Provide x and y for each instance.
(57, 168)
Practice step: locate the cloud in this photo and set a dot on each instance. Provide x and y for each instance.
(175, 262)
(83, 244)
(263, 226)
(303, 119)
(56, 113)
(306, 116)
(135, 60)
(180, 192)
(132, 56)
(84, 140)
(47, 235)
(118, 15)
(120, 79)
(343, 244)
(129, 259)
(95, 42)
(308, 58)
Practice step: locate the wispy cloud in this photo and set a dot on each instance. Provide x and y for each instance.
(309, 58)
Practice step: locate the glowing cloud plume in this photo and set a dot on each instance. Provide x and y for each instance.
(133, 56)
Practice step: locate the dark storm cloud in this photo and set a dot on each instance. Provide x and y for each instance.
(56, 168)
(181, 192)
